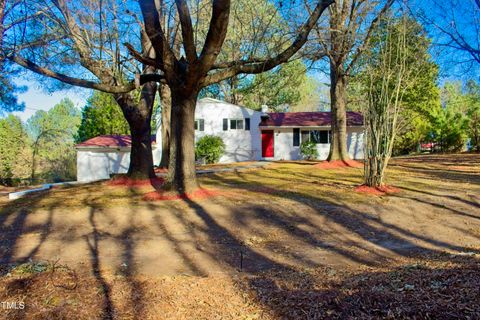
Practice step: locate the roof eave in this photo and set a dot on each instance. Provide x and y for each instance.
(306, 127)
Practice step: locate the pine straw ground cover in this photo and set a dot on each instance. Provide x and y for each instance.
(428, 287)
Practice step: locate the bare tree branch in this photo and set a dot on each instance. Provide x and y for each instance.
(142, 58)
(187, 30)
(215, 36)
(371, 28)
(155, 33)
(268, 64)
(70, 80)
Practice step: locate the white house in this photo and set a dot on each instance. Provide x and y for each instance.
(283, 132)
(237, 126)
(247, 134)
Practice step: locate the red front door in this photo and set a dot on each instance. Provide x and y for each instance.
(267, 144)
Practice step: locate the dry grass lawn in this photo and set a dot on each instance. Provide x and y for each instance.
(285, 241)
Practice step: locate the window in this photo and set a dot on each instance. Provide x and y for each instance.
(296, 137)
(317, 136)
(305, 136)
(200, 125)
(225, 124)
(236, 124)
(247, 123)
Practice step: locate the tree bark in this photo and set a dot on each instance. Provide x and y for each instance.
(166, 102)
(141, 158)
(338, 96)
(139, 117)
(181, 174)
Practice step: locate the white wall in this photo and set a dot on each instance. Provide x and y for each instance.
(283, 145)
(355, 142)
(284, 149)
(241, 145)
(157, 154)
(93, 165)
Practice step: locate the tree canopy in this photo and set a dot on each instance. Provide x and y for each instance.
(420, 99)
(51, 137)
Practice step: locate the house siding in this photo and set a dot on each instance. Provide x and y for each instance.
(284, 149)
(240, 145)
(355, 142)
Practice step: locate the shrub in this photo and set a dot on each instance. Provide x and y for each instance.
(209, 147)
(308, 149)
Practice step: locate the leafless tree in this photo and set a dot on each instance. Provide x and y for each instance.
(388, 78)
(455, 27)
(343, 39)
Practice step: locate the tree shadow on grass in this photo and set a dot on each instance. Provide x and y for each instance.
(353, 296)
(20, 220)
(134, 305)
(11, 231)
(92, 241)
(441, 174)
(370, 243)
(369, 228)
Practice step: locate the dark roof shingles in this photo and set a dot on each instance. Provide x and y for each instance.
(307, 119)
(115, 140)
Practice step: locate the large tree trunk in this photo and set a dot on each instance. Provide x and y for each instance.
(338, 96)
(141, 158)
(138, 116)
(166, 102)
(181, 171)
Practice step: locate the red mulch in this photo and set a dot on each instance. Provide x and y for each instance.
(124, 181)
(380, 191)
(339, 164)
(199, 194)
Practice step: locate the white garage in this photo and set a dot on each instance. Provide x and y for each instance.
(99, 157)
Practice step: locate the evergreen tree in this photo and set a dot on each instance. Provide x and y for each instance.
(13, 150)
(101, 116)
(52, 142)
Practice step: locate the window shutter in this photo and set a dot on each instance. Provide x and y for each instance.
(202, 125)
(225, 124)
(247, 123)
(233, 124)
(296, 137)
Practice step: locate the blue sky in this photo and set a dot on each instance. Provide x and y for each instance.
(36, 98)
